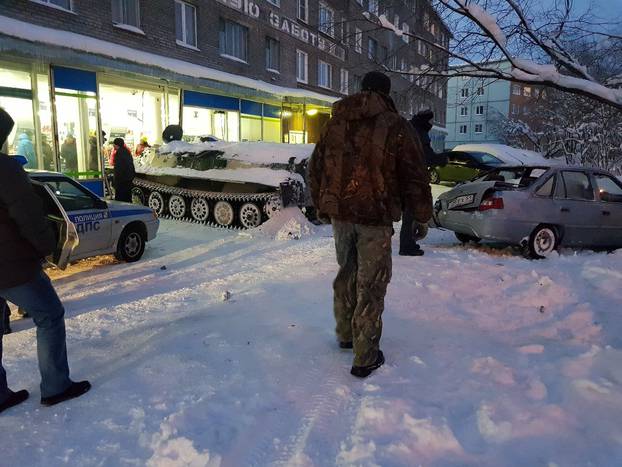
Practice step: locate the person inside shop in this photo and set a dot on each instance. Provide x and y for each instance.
(48, 154)
(69, 153)
(140, 148)
(124, 171)
(26, 149)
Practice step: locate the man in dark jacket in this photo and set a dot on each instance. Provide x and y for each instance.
(124, 172)
(422, 123)
(367, 167)
(25, 239)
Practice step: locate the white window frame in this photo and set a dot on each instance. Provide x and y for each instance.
(53, 5)
(329, 68)
(183, 42)
(478, 108)
(305, 56)
(123, 23)
(266, 52)
(323, 27)
(480, 88)
(246, 48)
(306, 7)
(464, 111)
(516, 90)
(464, 92)
(466, 129)
(344, 84)
(358, 40)
(480, 126)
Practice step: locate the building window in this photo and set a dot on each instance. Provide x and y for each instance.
(344, 87)
(464, 92)
(233, 40)
(358, 40)
(327, 20)
(516, 89)
(426, 21)
(373, 7)
(324, 74)
(273, 55)
(302, 66)
(514, 109)
(463, 129)
(480, 91)
(303, 10)
(479, 110)
(527, 91)
(372, 48)
(464, 111)
(186, 23)
(356, 83)
(479, 128)
(406, 32)
(126, 12)
(63, 4)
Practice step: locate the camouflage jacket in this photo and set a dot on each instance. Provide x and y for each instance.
(368, 165)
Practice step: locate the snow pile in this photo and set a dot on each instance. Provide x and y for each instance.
(251, 152)
(287, 224)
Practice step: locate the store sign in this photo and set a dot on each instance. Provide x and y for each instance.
(287, 26)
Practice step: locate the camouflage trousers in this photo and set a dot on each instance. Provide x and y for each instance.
(364, 258)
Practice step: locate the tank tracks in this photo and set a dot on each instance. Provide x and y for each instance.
(215, 209)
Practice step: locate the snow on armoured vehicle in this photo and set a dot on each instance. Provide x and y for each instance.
(222, 184)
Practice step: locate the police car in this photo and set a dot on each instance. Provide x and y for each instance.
(102, 227)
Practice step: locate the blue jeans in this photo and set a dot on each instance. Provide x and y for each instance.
(39, 299)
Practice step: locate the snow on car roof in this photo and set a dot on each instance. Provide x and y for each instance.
(507, 154)
(253, 152)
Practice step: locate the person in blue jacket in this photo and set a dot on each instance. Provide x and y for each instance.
(26, 148)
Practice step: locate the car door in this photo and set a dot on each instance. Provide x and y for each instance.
(65, 230)
(609, 192)
(459, 167)
(87, 211)
(578, 208)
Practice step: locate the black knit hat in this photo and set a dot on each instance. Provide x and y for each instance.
(376, 81)
(6, 126)
(118, 142)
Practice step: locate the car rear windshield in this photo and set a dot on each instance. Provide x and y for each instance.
(517, 177)
(485, 158)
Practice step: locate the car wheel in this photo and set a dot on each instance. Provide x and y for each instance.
(435, 177)
(131, 245)
(465, 238)
(542, 242)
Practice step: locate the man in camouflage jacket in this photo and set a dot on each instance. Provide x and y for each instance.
(367, 167)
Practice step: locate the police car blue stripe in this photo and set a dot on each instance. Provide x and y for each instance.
(130, 212)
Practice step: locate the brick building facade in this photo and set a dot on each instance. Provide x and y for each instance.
(238, 69)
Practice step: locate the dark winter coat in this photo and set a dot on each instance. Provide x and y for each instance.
(123, 174)
(422, 125)
(25, 236)
(368, 164)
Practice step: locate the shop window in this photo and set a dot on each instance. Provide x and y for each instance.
(302, 66)
(173, 107)
(273, 55)
(250, 128)
(200, 122)
(272, 130)
(186, 23)
(293, 125)
(45, 151)
(126, 12)
(233, 40)
(132, 113)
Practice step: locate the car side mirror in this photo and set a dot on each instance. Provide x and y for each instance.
(611, 198)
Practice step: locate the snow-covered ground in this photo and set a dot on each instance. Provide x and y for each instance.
(218, 349)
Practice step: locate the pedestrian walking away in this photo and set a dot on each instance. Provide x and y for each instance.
(367, 167)
(411, 230)
(25, 239)
(124, 172)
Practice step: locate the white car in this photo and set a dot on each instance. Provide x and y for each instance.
(102, 227)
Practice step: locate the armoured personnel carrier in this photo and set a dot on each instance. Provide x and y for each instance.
(222, 184)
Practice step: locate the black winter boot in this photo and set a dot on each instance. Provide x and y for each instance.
(365, 371)
(14, 399)
(75, 390)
